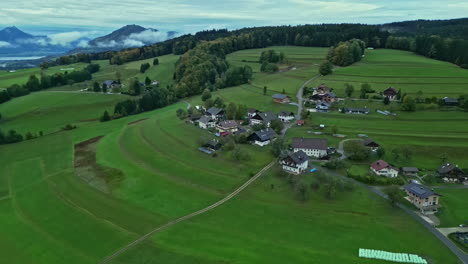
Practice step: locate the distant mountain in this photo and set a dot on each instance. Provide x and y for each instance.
(13, 34)
(119, 35)
(453, 28)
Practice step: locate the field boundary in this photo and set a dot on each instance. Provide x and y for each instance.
(186, 217)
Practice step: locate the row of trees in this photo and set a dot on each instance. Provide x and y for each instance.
(346, 53)
(47, 81)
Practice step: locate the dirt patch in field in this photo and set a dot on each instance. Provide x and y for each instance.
(103, 178)
(136, 122)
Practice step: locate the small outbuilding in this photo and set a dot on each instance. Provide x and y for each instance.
(281, 98)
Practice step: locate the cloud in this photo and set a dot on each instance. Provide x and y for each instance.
(4, 44)
(136, 40)
(64, 39)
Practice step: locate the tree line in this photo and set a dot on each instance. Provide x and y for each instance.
(48, 81)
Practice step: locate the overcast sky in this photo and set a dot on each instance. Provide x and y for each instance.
(95, 17)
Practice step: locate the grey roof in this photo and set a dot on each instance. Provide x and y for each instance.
(450, 100)
(265, 134)
(446, 168)
(286, 113)
(214, 111)
(228, 124)
(419, 190)
(331, 95)
(252, 110)
(214, 143)
(265, 116)
(323, 105)
(310, 143)
(357, 109)
(280, 96)
(369, 141)
(109, 82)
(205, 119)
(410, 169)
(297, 157)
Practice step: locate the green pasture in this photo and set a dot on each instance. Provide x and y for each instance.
(403, 70)
(454, 211)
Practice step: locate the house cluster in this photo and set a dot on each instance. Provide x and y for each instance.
(304, 149)
(323, 97)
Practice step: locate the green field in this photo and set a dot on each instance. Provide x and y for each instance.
(156, 174)
(453, 211)
(402, 70)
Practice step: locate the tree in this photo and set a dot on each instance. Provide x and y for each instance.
(206, 95)
(283, 92)
(407, 152)
(181, 113)
(231, 111)
(334, 130)
(239, 154)
(135, 88)
(209, 103)
(277, 147)
(366, 87)
(409, 104)
(144, 67)
(363, 94)
(349, 90)
(156, 61)
(386, 100)
(33, 83)
(264, 90)
(443, 157)
(105, 117)
(393, 194)
(218, 102)
(277, 125)
(147, 81)
(356, 150)
(398, 95)
(96, 87)
(326, 68)
(241, 112)
(380, 152)
(104, 88)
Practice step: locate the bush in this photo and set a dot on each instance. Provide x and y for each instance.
(105, 117)
(69, 127)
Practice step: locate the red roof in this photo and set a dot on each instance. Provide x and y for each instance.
(300, 122)
(380, 165)
(390, 91)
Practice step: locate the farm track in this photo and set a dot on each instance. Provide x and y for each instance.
(189, 216)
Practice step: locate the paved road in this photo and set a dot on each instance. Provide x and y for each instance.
(204, 210)
(451, 187)
(454, 248)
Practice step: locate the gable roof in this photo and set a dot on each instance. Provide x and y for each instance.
(205, 119)
(265, 116)
(381, 164)
(280, 96)
(264, 134)
(410, 169)
(228, 124)
(214, 111)
(285, 113)
(295, 158)
(419, 190)
(450, 100)
(390, 91)
(310, 143)
(446, 168)
(323, 105)
(369, 141)
(109, 82)
(252, 110)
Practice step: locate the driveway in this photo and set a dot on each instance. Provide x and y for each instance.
(449, 230)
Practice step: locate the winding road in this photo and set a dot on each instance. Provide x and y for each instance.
(183, 218)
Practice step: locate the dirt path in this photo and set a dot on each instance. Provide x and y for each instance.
(204, 210)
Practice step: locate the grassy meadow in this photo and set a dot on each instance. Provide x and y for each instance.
(453, 211)
(403, 70)
(51, 215)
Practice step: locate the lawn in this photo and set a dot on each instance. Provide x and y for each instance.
(403, 70)
(454, 210)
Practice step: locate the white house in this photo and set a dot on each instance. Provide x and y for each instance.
(215, 113)
(286, 116)
(296, 162)
(323, 107)
(262, 137)
(313, 147)
(263, 118)
(206, 122)
(382, 168)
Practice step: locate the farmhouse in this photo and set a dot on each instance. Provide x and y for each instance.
(286, 116)
(213, 145)
(229, 126)
(300, 122)
(390, 93)
(313, 147)
(281, 98)
(251, 112)
(323, 107)
(451, 173)
(194, 118)
(422, 197)
(295, 163)
(450, 101)
(112, 84)
(322, 89)
(215, 113)
(262, 137)
(263, 118)
(374, 146)
(329, 97)
(382, 168)
(410, 171)
(206, 122)
(357, 111)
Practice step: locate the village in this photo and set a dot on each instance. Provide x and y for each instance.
(306, 155)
